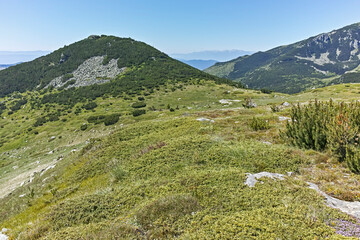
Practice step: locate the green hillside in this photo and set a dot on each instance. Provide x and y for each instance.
(166, 174)
(144, 68)
(160, 150)
(328, 58)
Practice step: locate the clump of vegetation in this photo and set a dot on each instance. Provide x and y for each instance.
(167, 209)
(249, 103)
(90, 105)
(138, 105)
(327, 125)
(111, 119)
(138, 112)
(259, 124)
(275, 108)
(83, 127)
(266, 91)
(106, 119)
(67, 77)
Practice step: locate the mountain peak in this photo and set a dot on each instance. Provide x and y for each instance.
(321, 60)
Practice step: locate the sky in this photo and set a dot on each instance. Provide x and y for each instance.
(172, 26)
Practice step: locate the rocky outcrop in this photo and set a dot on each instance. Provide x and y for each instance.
(90, 72)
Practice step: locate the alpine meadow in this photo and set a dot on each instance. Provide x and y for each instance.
(111, 138)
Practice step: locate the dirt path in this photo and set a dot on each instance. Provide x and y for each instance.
(10, 185)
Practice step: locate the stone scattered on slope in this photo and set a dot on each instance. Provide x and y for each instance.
(3, 237)
(251, 179)
(91, 71)
(2, 234)
(282, 118)
(202, 119)
(351, 208)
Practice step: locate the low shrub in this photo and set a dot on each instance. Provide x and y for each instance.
(89, 105)
(138, 105)
(259, 124)
(111, 119)
(138, 112)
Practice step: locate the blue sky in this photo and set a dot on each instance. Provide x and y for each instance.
(173, 26)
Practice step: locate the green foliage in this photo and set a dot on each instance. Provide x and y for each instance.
(138, 105)
(118, 173)
(275, 108)
(353, 158)
(83, 127)
(106, 119)
(307, 128)
(326, 125)
(259, 124)
(265, 90)
(67, 77)
(111, 119)
(40, 121)
(90, 105)
(138, 112)
(84, 210)
(167, 209)
(17, 104)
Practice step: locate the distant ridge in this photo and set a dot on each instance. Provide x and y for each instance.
(217, 55)
(325, 59)
(198, 63)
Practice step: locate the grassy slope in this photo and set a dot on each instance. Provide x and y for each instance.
(164, 174)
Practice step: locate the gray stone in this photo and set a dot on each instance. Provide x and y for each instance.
(251, 179)
(351, 208)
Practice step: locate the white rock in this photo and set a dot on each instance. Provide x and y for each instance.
(251, 179)
(282, 118)
(22, 195)
(351, 208)
(3, 237)
(286, 104)
(202, 119)
(225, 101)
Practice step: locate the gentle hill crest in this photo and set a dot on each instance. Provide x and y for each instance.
(325, 59)
(98, 60)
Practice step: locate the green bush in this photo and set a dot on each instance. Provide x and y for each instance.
(353, 158)
(111, 119)
(118, 173)
(138, 105)
(307, 128)
(83, 127)
(267, 91)
(259, 124)
(90, 105)
(326, 125)
(138, 112)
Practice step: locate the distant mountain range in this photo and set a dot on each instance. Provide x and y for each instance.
(219, 56)
(325, 59)
(198, 63)
(204, 59)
